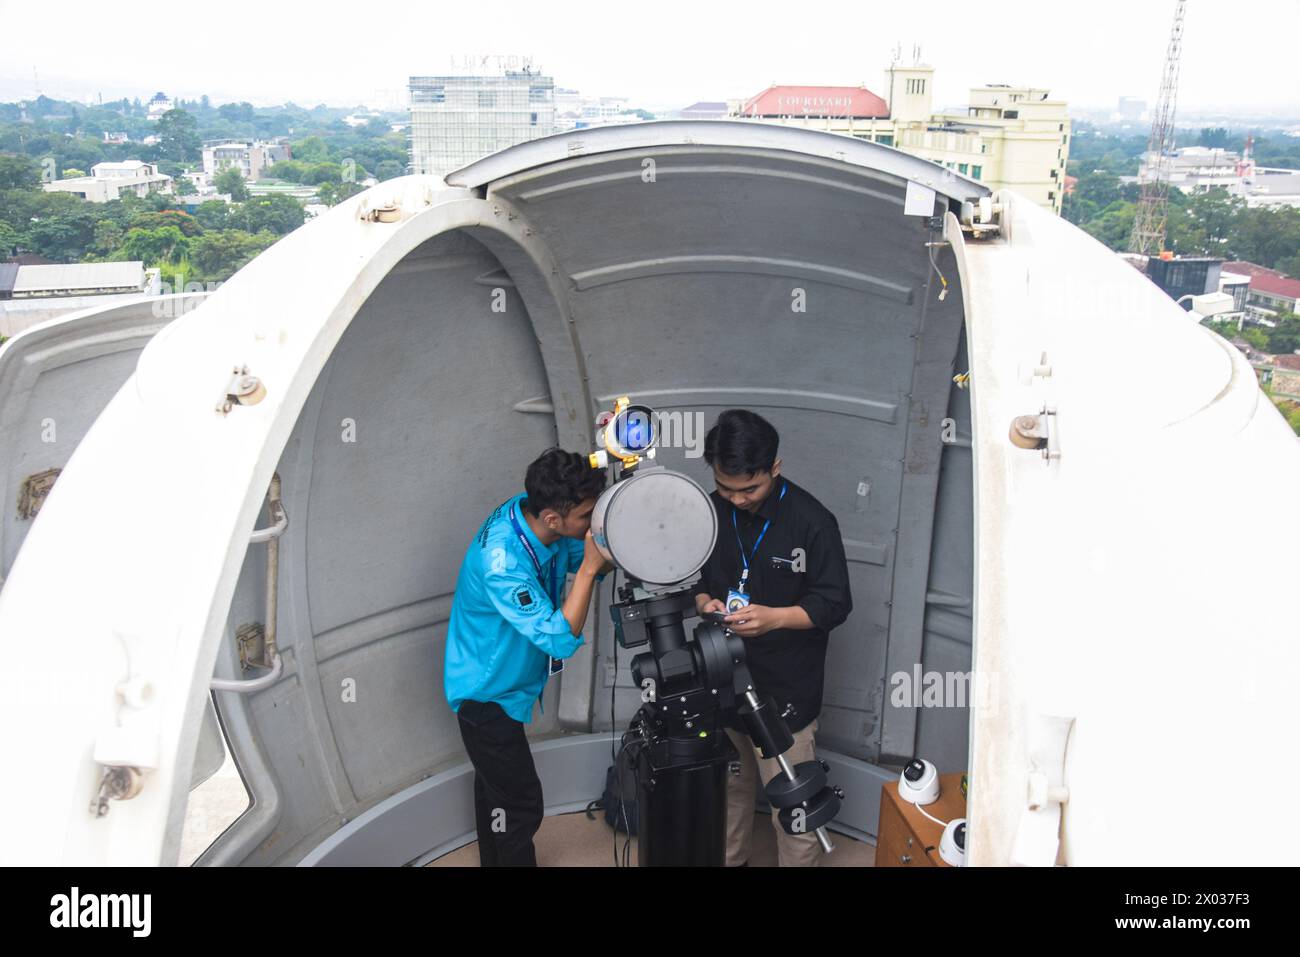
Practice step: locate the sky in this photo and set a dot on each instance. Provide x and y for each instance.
(1237, 57)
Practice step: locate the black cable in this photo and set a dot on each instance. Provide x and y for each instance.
(629, 741)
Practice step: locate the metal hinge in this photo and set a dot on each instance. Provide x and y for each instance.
(251, 641)
(35, 489)
(1037, 432)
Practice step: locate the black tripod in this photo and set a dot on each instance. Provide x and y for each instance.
(681, 753)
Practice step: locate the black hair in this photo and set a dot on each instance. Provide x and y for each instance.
(560, 480)
(741, 443)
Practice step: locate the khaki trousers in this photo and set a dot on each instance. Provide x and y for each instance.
(793, 850)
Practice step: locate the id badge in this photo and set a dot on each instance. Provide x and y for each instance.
(557, 665)
(736, 600)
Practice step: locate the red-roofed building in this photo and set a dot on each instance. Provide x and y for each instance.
(1006, 137)
(1270, 291)
(1291, 362)
(815, 102)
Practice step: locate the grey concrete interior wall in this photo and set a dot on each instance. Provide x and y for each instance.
(428, 376)
(942, 732)
(679, 292)
(55, 381)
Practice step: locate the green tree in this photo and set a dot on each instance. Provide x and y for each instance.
(236, 112)
(1268, 236)
(331, 194)
(289, 170)
(1114, 226)
(1216, 138)
(274, 214)
(1290, 265)
(1219, 216)
(18, 172)
(213, 214)
(1282, 152)
(322, 173)
(1293, 418)
(178, 135)
(9, 239)
(63, 231)
(219, 255)
(107, 237)
(1284, 338)
(1257, 338)
(310, 150)
(187, 224)
(231, 181)
(154, 246)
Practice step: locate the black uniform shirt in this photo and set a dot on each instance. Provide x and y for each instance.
(786, 664)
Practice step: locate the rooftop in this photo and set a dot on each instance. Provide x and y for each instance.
(816, 101)
(1266, 280)
(705, 106)
(65, 276)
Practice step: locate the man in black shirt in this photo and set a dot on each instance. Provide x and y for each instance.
(779, 568)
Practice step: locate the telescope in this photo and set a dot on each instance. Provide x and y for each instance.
(659, 527)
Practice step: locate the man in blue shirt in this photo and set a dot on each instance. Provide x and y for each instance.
(509, 631)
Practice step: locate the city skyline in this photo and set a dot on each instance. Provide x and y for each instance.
(665, 57)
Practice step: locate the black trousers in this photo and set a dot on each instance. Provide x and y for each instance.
(507, 792)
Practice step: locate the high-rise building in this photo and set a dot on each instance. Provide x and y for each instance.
(458, 119)
(1131, 109)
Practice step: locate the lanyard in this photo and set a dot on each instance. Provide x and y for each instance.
(744, 575)
(556, 665)
(528, 547)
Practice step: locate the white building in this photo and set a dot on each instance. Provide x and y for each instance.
(160, 104)
(249, 158)
(568, 100)
(1197, 169)
(573, 111)
(1008, 137)
(458, 119)
(108, 181)
(1266, 186)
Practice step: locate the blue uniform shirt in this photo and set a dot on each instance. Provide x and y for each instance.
(505, 624)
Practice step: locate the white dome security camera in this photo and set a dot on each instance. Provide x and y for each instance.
(952, 846)
(919, 782)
